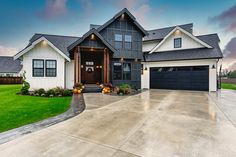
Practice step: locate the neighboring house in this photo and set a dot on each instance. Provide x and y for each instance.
(9, 66)
(108, 53)
(173, 57)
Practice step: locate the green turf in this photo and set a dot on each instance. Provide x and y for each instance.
(228, 86)
(17, 110)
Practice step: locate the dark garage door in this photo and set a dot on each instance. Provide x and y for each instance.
(182, 78)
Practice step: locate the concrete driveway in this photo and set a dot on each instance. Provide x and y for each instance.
(154, 123)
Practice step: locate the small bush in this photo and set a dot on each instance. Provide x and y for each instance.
(67, 92)
(124, 88)
(40, 91)
(78, 85)
(58, 91)
(25, 88)
(50, 93)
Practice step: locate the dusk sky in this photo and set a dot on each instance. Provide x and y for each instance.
(20, 19)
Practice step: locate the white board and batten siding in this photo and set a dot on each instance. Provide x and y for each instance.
(45, 52)
(145, 78)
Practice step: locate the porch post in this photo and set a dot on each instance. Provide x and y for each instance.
(75, 65)
(105, 66)
(108, 66)
(79, 65)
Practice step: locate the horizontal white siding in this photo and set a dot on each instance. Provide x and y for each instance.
(145, 78)
(44, 51)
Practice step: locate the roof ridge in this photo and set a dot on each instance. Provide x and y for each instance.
(170, 27)
(56, 35)
(206, 34)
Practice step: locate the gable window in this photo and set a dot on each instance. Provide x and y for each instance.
(51, 68)
(126, 71)
(118, 41)
(177, 42)
(117, 71)
(128, 42)
(38, 68)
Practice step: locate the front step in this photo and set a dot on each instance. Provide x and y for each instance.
(92, 88)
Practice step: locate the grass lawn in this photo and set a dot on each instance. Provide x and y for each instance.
(228, 86)
(17, 110)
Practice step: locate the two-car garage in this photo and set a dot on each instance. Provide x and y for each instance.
(180, 78)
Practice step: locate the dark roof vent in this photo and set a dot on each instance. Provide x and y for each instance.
(153, 33)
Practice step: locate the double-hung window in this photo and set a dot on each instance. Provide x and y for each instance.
(126, 71)
(128, 42)
(51, 68)
(118, 41)
(38, 68)
(117, 71)
(122, 71)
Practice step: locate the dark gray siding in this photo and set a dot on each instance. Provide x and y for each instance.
(135, 74)
(124, 27)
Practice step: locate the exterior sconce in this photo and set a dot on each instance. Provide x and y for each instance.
(122, 59)
(213, 66)
(92, 37)
(145, 68)
(123, 16)
(44, 42)
(82, 66)
(136, 59)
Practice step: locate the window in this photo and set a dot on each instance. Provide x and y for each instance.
(51, 68)
(89, 63)
(126, 71)
(177, 43)
(117, 71)
(128, 42)
(118, 41)
(38, 68)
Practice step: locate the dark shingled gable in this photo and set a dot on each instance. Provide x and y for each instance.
(9, 65)
(189, 54)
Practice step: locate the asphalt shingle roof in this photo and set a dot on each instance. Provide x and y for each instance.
(157, 34)
(9, 65)
(188, 54)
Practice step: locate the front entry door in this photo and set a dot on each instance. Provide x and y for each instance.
(89, 72)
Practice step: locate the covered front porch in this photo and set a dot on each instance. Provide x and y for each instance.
(91, 65)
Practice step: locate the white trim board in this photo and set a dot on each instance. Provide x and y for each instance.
(185, 32)
(18, 55)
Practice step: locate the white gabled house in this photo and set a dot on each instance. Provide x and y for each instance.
(121, 51)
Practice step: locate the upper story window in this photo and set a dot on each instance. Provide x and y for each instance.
(51, 68)
(38, 68)
(118, 41)
(177, 42)
(128, 42)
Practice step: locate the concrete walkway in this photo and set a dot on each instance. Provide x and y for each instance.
(154, 123)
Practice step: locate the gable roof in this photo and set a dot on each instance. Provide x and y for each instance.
(186, 33)
(9, 65)
(125, 10)
(59, 42)
(91, 31)
(189, 54)
(160, 33)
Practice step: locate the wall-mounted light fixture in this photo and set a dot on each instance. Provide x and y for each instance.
(213, 66)
(136, 60)
(92, 36)
(122, 59)
(145, 68)
(123, 16)
(44, 42)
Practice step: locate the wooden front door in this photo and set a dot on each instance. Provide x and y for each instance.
(91, 71)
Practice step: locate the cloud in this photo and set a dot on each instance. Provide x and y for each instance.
(226, 19)
(230, 49)
(7, 51)
(54, 8)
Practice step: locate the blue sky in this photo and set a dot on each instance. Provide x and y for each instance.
(20, 19)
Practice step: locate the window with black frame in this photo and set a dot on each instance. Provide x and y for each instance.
(51, 68)
(177, 43)
(126, 71)
(128, 42)
(38, 68)
(118, 41)
(117, 71)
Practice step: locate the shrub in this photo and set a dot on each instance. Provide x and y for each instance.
(67, 92)
(124, 88)
(25, 88)
(58, 91)
(50, 92)
(78, 86)
(40, 91)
